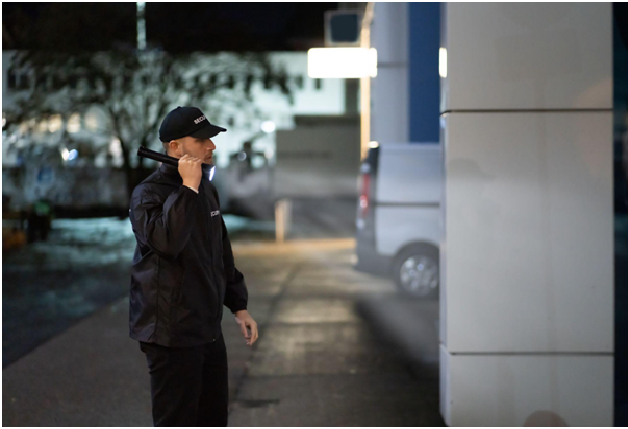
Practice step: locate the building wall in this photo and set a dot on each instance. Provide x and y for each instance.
(318, 158)
(527, 253)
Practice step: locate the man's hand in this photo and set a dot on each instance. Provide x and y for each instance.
(190, 171)
(244, 319)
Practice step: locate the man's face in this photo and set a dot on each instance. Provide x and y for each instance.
(199, 148)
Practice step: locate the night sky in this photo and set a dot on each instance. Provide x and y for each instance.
(174, 27)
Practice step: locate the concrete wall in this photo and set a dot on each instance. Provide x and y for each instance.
(319, 158)
(527, 253)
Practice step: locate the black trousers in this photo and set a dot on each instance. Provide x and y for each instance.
(189, 385)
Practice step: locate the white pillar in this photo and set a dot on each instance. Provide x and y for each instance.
(389, 90)
(527, 254)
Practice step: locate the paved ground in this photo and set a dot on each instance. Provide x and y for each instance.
(49, 286)
(85, 264)
(318, 362)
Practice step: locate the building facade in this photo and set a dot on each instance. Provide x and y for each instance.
(523, 111)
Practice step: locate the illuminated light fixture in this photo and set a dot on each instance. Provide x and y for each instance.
(91, 122)
(54, 123)
(268, 126)
(65, 154)
(373, 145)
(211, 173)
(74, 123)
(442, 62)
(115, 150)
(73, 154)
(341, 62)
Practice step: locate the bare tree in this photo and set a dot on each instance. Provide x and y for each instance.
(135, 90)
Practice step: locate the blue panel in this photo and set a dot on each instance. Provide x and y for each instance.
(424, 30)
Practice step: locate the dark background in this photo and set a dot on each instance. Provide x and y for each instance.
(174, 27)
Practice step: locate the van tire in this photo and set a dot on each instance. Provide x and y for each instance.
(415, 271)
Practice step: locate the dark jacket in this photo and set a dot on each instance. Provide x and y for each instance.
(183, 270)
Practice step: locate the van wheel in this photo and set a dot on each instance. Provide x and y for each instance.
(415, 272)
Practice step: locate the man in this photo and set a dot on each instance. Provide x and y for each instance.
(183, 273)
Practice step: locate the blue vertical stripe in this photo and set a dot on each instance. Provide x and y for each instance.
(424, 82)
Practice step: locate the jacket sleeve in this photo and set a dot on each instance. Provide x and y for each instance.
(163, 226)
(236, 295)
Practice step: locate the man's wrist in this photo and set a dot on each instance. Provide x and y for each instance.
(194, 188)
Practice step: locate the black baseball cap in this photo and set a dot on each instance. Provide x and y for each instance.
(187, 121)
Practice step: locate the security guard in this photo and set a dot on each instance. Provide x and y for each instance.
(183, 272)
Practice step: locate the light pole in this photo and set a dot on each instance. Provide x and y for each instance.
(141, 26)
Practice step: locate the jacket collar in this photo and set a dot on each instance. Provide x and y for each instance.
(170, 170)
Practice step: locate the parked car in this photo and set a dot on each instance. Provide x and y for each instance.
(399, 215)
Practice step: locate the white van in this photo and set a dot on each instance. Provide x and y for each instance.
(399, 215)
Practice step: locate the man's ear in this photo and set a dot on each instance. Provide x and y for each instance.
(174, 148)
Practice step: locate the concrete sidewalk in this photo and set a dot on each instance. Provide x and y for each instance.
(317, 363)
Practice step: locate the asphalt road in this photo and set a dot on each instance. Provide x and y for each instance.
(322, 358)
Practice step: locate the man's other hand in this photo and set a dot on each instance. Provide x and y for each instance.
(246, 322)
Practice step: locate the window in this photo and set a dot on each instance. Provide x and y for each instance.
(74, 123)
(41, 81)
(249, 82)
(298, 81)
(91, 121)
(54, 123)
(318, 84)
(83, 83)
(231, 82)
(11, 79)
(43, 126)
(268, 81)
(24, 81)
(107, 82)
(213, 80)
(282, 81)
(55, 82)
